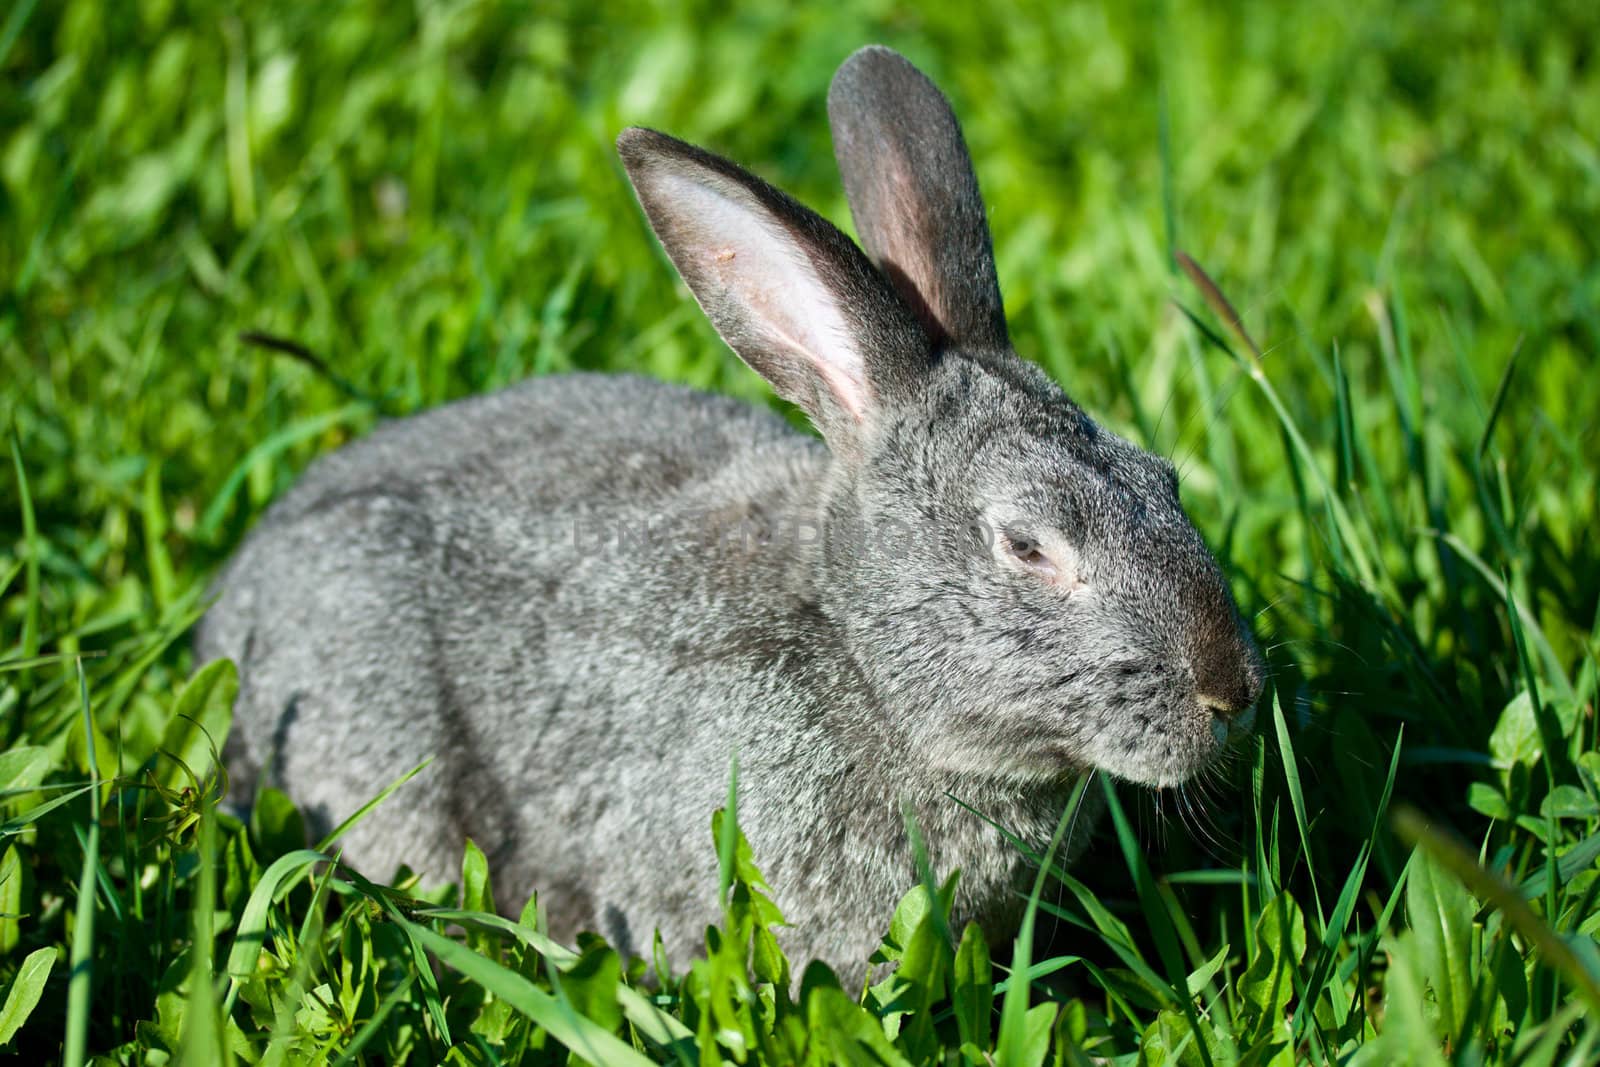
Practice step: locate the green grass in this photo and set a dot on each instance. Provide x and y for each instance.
(1402, 202)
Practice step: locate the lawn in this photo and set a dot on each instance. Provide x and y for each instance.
(1391, 448)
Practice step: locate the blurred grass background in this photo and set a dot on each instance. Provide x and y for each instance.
(1403, 202)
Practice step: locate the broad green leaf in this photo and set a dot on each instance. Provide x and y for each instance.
(1408, 1035)
(591, 984)
(1267, 985)
(475, 892)
(1569, 802)
(908, 915)
(25, 991)
(22, 768)
(1511, 981)
(973, 991)
(1583, 974)
(172, 1001)
(927, 955)
(497, 1021)
(847, 1033)
(1072, 1033)
(743, 870)
(1171, 1040)
(1589, 764)
(315, 1014)
(1201, 976)
(1036, 1028)
(767, 961)
(1440, 914)
(1488, 801)
(1515, 738)
(920, 979)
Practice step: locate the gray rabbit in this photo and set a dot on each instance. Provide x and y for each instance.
(584, 594)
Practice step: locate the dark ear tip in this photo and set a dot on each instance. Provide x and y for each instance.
(636, 143)
(869, 61)
(641, 147)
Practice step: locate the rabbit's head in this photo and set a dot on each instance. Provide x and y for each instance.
(1023, 581)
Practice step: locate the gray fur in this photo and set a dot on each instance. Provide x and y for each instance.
(583, 594)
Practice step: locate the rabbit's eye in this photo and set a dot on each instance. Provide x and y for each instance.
(1052, 569)
(1026, 550)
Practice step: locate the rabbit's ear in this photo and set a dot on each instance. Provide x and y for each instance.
(915, 197)
(784, 287)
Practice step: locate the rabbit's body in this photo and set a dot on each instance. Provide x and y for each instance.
(584, 595)
(584, 739)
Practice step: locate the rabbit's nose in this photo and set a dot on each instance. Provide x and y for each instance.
(1224, 665)
(1227, 685)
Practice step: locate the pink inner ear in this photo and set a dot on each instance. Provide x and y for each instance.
(903, 245)
(783, 326)
(767, 281)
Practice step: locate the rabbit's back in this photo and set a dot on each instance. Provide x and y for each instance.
(497, 490)
(567, 440)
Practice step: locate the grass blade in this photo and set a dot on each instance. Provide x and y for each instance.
(31, 547)
(250, 937)
(1160, 922)
(1011, 1047)
(1297, 799)
(270, 446)
(361, 813)
(565, 1025)
(650, 1020)
(81, 982)
(370, 1029)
